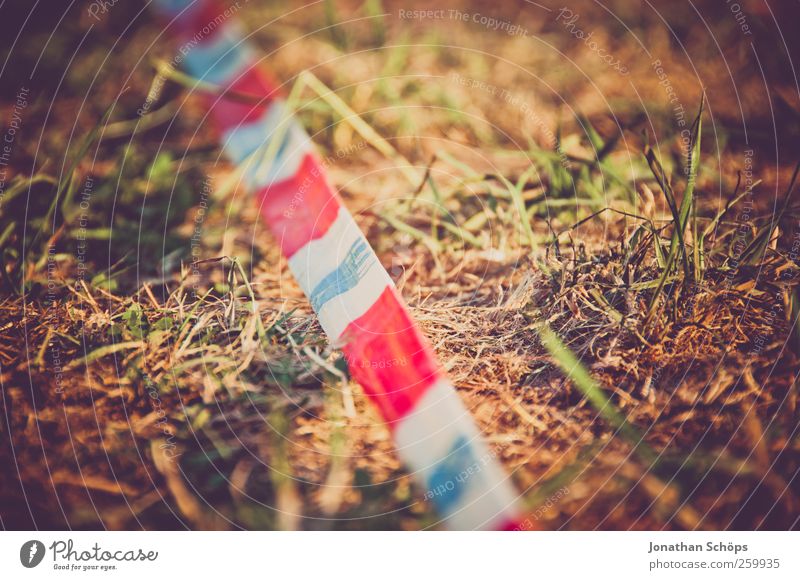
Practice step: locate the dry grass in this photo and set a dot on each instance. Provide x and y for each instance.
(172, 408)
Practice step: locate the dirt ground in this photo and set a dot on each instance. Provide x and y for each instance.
(136, 395)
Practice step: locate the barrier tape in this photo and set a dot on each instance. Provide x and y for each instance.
(356, 301)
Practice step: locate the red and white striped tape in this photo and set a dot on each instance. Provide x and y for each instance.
(358, 306)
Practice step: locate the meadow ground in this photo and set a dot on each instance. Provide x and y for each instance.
(587, 207)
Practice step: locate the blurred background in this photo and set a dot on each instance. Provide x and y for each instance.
(107, 156)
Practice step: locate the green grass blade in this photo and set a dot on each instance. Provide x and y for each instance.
(519, 204)
(688, 205)
(65, 184)
(755, 251)
(580, 377)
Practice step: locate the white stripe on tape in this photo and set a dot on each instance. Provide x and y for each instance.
(340, 274)
(441, 444)
(239, 142)
(286, 164)
(318, 258)
(338, 312)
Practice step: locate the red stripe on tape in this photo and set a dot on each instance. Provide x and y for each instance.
(301, 208)
(230, 109)
(389, 357)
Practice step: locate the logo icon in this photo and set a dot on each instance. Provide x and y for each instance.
(31, 553)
